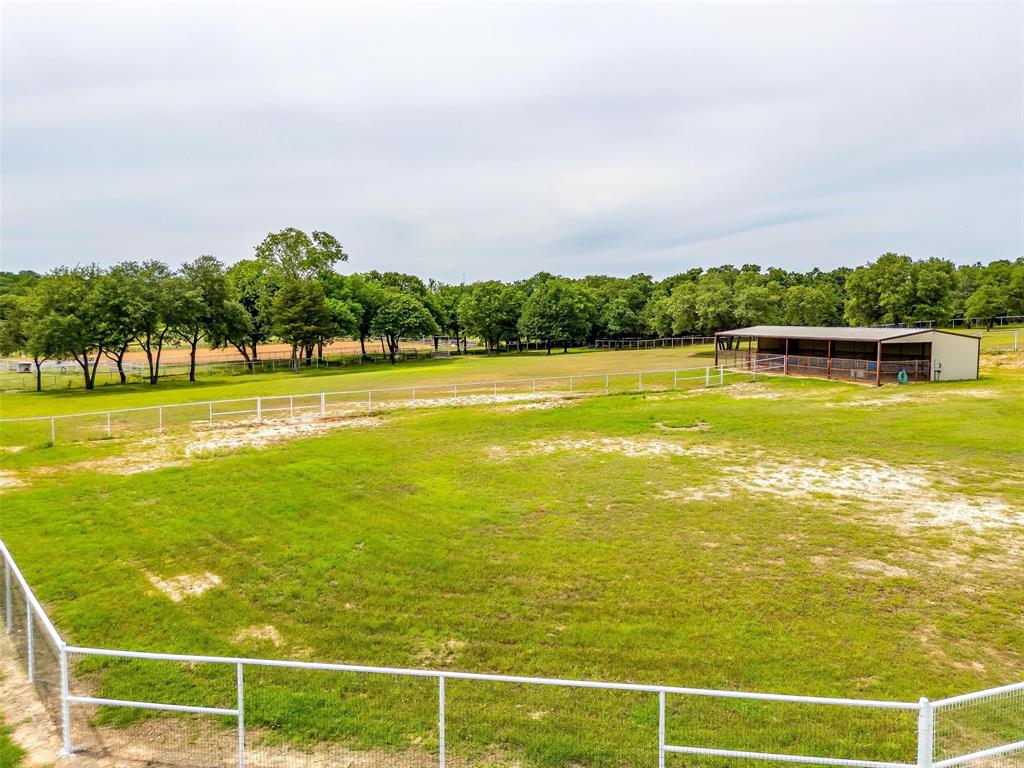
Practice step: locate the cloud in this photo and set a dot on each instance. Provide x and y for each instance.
(498, 140)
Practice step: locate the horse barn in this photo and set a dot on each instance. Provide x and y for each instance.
(868, 355)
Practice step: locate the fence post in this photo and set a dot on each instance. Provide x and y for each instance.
(291, 406)
(640, 381)
(721, 375)
(456, 391)
(495, 388)
(570, 385)
(160, 418)
(65, 705)
(109, 433)
(440, 722)
(925, 733)
(707, 376)
(211, 414)
(323, 403)
(675, 378)
(369, 399)
(259, 410)
(241, 714)
(53, 430)
(661, 729)
(30, 649)
(753, 366)
(606, 383)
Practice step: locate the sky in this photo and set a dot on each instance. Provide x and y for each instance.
(476, 141)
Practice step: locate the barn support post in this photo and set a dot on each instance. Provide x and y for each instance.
(785, 360)
(828, 361)
(716, 349)
(878, 366)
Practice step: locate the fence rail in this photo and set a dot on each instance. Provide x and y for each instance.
(659, 343)
(933, 735)
(158, 418)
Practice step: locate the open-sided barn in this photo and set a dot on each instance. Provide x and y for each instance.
(870, 355)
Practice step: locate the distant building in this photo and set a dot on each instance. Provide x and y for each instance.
(870, 355)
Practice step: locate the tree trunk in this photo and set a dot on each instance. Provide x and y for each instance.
(192, 360)
(362, 342)
(565, 347)
(39, 375)
(435, 343)
(255, 353)
(320, 351)
(295, 357)
(549, 346)
(382, 350)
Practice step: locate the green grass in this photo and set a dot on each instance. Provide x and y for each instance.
(438, 539)
(10, 753)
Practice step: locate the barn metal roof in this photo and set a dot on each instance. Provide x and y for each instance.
(824, 333)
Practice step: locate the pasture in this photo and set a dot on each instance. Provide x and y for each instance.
(789, 535)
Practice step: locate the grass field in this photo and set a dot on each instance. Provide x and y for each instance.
(793, 536)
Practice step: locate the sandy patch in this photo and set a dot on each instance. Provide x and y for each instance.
(698, 426)
(264, 633)
(625, 446)
(439, 654)
(917, 395)
(878, 567)
(914, 493)
(10, 480)
(743, 391)
(186, 585)
(11, 449)
(248, 435)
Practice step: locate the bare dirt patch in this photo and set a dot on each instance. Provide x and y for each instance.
(878, 567)
(698, 426)
(264, 633)
(917, 395)
(439, 654)
(626, 446)
(185, 585)
(232, 437)
(9, 480)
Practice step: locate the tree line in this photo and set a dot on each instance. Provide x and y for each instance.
(290, 291)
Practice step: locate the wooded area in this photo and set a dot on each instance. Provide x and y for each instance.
(290, 291)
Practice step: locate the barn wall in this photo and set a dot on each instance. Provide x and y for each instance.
(958, 355)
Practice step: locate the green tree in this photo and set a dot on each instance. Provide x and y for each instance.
(152, 309)
(301, 316)
(715, 302)
(401, 314)
(558, 312)
(203, 307)
(21, 329)
(988, 301)
(291, 254)
(72, 319)
(250, 283)
(808, 305)
(490, 311)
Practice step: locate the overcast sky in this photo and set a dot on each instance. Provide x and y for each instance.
(483, 141)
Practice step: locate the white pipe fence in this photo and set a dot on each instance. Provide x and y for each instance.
(108, 424)
(938, 737)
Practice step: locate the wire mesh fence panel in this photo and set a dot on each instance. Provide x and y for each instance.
(17, 622)
(151, 737)
(302, 718)
(231, 411)
(160, 739)
(788, 728)
(46, 670)
(982, 723)
(509, 724)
